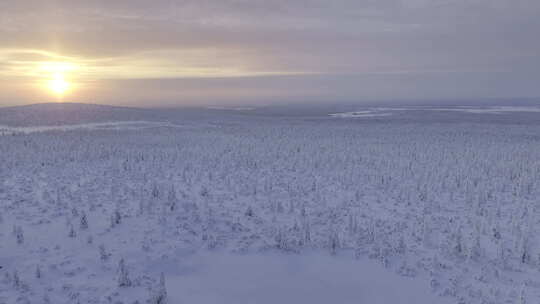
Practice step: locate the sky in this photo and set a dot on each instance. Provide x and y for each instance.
(232, 52)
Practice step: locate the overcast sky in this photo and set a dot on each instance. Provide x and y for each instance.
(160, 52)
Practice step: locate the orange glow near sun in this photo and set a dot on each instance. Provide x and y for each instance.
(58, 83)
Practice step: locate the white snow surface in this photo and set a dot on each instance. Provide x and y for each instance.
(314, 278)
(113, 125)
(359, 114)
(272, 210)
(387, 111)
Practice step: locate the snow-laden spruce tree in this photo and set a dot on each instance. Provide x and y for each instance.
(160, 294)
(38, 272)
(171, 199)
(74, 212)
(16, 279)
(103, 254)
(117, 217)
(19, 234)
(280, 238)
(155, 191)
(333, 242)
(72, 233)
(84, 221)
(249, 211)
(306, 228)
(352, 226)
(525, 250)
(123, 274)
(522, 295)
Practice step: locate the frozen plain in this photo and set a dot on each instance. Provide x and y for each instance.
(117, 205)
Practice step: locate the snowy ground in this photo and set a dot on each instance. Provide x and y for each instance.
(252, 209)
(387, 111)
(277, 278)
(116, 125)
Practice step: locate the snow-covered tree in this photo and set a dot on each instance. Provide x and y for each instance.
(84, 221)
(103, 254)
(19, 234)
(123, 274)
(160, 295)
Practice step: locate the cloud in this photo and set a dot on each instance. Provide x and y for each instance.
(139, 39)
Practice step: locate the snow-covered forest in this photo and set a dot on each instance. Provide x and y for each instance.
(121, 215)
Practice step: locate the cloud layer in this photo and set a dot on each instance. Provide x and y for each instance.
(341, 50)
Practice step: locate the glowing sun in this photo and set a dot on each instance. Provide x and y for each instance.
(59, 85)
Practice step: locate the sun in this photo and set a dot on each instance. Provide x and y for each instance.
(59, 85)
(59, 73)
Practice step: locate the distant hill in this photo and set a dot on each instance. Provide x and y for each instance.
(50, 114)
